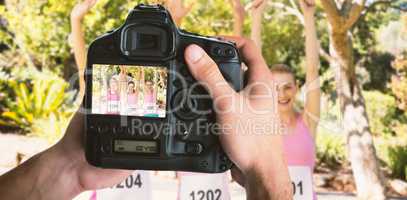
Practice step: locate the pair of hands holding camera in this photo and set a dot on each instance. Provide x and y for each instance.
(62, 172)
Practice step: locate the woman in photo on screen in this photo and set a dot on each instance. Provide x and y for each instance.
(113, 96)
(150, 99)
(123, 79)
(133, 94)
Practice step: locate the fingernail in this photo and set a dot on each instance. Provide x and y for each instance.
(194, 53)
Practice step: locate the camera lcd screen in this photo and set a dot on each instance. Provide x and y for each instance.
(134, 146)
(129, 90)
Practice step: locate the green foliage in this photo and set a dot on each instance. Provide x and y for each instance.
(381, 110)
(397, 161)
(399, 80)
(36, 95)
(385, 117)
(392, 151)
(39, 29)
(281, 34)
(283, 41)
(331, 148)
(366, 46)
(378, 66)
(210, 17)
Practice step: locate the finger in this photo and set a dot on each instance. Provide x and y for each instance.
(205, 70)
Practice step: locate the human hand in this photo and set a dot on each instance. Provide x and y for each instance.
(307, 6)
(80, 9)
(249, 121)
(83, 175)
(178, 10)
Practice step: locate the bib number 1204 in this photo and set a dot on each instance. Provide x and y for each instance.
(132, 181)
(206, 195)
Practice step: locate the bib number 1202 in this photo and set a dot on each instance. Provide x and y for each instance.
(206, 195)
(132, 181)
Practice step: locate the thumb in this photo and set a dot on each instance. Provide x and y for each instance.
(206, 71)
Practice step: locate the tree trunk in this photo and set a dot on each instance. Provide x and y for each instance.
(361, 152)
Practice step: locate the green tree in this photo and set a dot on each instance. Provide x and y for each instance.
(38, 30)
(342, 18)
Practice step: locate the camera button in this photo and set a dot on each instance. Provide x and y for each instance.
(102, 129)
(217, 51)
(230, 52)
(193, 148)
(106, 147)
(184, 107)
(224, 158)
(119, 129)
(92, 128)
(223, 167)
(114, 130)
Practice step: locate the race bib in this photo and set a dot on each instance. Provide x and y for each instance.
(301, 180)
(113, 106)
(204, 187)
(136, 186)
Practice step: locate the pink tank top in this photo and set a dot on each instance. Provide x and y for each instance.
(299, 146)
(149, 98)
(113, 103)
(132, 100)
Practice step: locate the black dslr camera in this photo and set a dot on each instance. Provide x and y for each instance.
(144, 110)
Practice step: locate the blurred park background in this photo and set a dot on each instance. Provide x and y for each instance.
(38, 75)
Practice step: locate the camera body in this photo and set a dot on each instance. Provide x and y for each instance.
(143, 108)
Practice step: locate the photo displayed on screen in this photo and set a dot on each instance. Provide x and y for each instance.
(129, 90)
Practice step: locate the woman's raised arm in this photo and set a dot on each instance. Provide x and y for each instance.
(78, 38)
(313, 90)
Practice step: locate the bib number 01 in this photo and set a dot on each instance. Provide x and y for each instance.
(206, 195)
(298, 188)
(132, 181)
(301, 181)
